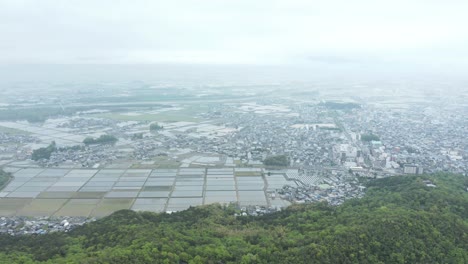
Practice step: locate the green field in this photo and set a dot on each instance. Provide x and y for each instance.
(247, 173)
(78, 207)
(160, 117)
(188, 114)
(13, 131)
(161, 162)
(42, 207)
(108, 206)
(156, 188)
(164, 162)
(9, 206)
(89, 195)
(56, 195)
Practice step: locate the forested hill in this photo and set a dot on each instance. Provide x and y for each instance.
(400, 220)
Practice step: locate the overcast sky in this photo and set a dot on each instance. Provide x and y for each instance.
(234, 31)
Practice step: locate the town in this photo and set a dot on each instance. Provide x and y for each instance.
(261, 154)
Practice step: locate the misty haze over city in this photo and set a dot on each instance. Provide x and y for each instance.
(233, 131)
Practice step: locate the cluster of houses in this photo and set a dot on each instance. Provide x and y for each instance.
(412, 141)
(11, 145)
(334, 190)
(40, 225)
(315, 139)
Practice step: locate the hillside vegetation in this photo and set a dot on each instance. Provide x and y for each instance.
(400, 220)
(4, 178)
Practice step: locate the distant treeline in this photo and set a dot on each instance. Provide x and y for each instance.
(36, 114)
(44, 153)
(155, 127)
(369, 137)
(103, 139)
(4, 178)
(340, 106)
(41, 114)
(330, 128)
(277, 161)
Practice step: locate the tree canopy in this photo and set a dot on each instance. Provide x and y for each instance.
(44, 153)
(277, 161)
(155, 127)
(369, 137)
(340, 105)
(103, 139)
(4, 178)
(400, 220)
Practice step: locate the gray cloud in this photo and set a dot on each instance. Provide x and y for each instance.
(213, 31)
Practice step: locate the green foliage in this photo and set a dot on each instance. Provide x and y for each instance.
(36, 114)
(42, 113)
(155, 127)
(103, 139)
(278, 161)
(137, 136)
(44, 153)
(400, 220)
(4, 178)
(369, 137)
(340, 106)
(330, 128)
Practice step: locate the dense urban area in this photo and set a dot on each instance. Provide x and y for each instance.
(147, 147)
